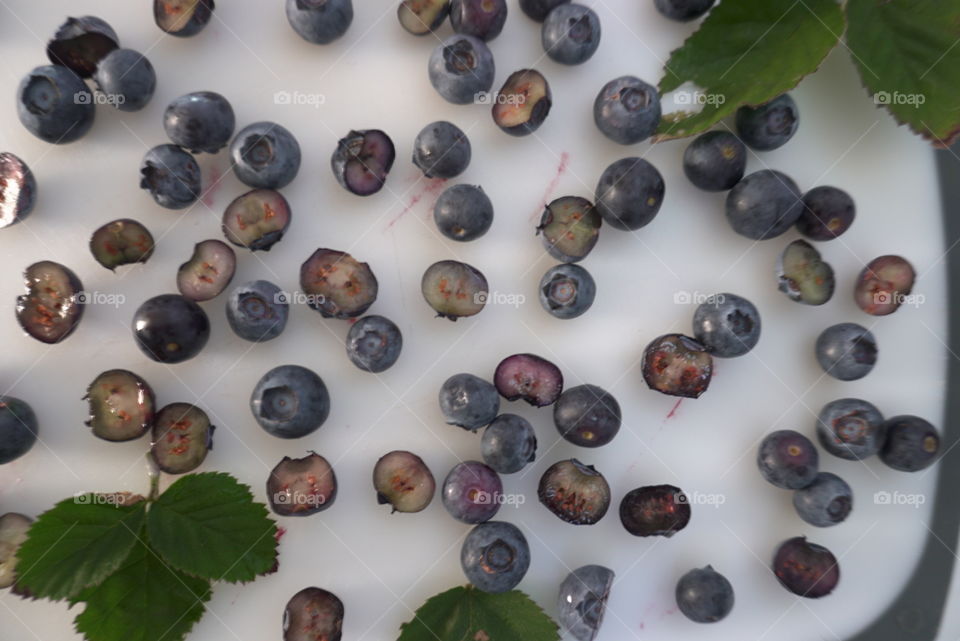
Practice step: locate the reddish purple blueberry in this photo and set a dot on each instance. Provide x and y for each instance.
(337, 285)
(53, 305)
(677, 365)
(362, 161)
(883, 285)
(805, 568)
(655, 510)
(208, 272)
(530, 378)
(301, 486)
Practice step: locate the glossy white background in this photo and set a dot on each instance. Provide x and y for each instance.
(384, 566)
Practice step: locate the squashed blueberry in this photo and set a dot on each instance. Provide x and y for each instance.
(530, 378)
(805, 568)
(421, 17)
(122, 406)
(454, 289)
(301, 486)
(570, 228)
(257, 219)
(883, 285)
(804, 276)
(53, 305)
(404, 481)
(14, 528)
(81, 43)
(121, 242)
(574, 492)
(522, 103)
(182, 437)
(208, 272)
(362, 161)
(655, 510)
(313, 614)
(18, 190)
(337, 285)
(182, 18)
(677, 365)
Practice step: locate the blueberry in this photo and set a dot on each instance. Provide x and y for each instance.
(362, 161)
(805, 568)
(171, 175)
(463, 213)
(81, 43)
(627, 110)
(483, 19)
(655, 510)
(472, 492)
(257, 311)
(576, 493)
(374, 343)
(851, 428)
(530, 378)
(121, 242)
(18, 190)
(571, 34)
(122, 406)
(468, 401)
(301, 486)
(883, 285)
(257, 219)
(404, 481)
(715, 161)
(788, 460)
(18, 428)
(208, 272)
(704, 595)
(290, 401)
(421, 17)
(320, 21)
(846, 351)
(522, 103)
(182, 18)
(312, 614)
(683, 10)
(539, 9)
(827, 213)
(182, 437)
(764, 205)
(495, 556)
(582, 600)
(567, 291)
(768, 126)
(454, 289)
(677, 365)
(199, 121)
(441, 150)
(127, 78)
(570, 228)
(337, 285)
(912, 444)
(727, 325)
(53, 305)
(460, 68)
(508, 444)
(265, 155)
(629, 193)
(55, 105)
(170, 328)
(587, 415)
(825, 502)
(13, 533)
(804, 276)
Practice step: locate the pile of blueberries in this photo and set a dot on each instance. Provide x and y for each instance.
(290, 401)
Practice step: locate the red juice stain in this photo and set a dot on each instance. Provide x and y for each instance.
(552, 187)
(214, 174)
(673, 411)
(279, 535)
(430, 186)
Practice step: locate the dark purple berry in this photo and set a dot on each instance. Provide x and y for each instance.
(538, 10)
(851, 428)
(81, 43)
(764, 205)
(788, 459)
(18, 190)
(121, 242)
(575, 492)
(313, 614)
(530, 378)
(629, 193)
(301, 486)
(846, 351)
(912, 444)
(883, 284)
(704, 595)
(567, 291)
(442, 150)
(461, 69)
(803, 276)
(677, 365)
(571, 34)
(483, 19)
(728, 325)
(495, 557)
(374, 343)
(257, 220)
(827, 213)
(522, 103)
(655, 510)
(570, 228)
(468, 401)
(290, 401)
(454, 289)
(122, 406)
(825, 502)
(587, 415)
(768, 126)
(182, 18)
(362, 161)
(171, 176)
(337, 285)
(320, 21)
(208, 272)
(170, 328)
(18, 429)
(805, 568)
(421, 17)
(683, 10)
(14, 528)
(582, 600)
(182, 436)
(508, 444)
(715, 161)
(200, 121)
(53, 305)
(55, 105)
(404, 481)
(627, 109)
(472, 492)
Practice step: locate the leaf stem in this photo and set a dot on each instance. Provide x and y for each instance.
(154, 472)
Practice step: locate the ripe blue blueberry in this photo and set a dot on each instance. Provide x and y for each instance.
(257, 311)
(468, 401)
(127, 78)
(171, 176)
(567, 291)
(522, 103)
(374, 343)
(265, 155)
(18, 190)
(463, 213)
(13, 532)
(199, 121)
(629, 193)
(55, 105)
(290, 401)
(912, 444)
(122, 406)
(587, 415)
(827, 213)
(472, 492)
(851, 428)
(846, 351)
(208, 272)
(715, 161)
(53, 304)
(170, 328)
(764, 205)
(569, 228)
(362, 161)
(495, 556)
(728, 325)
(320, 21)
(788, 459)
(508, 444)
(256, 220)
(182, 18)
(182, 438)
(804, 276)
(574, 492)
(441, 150)
(530, 378)
(301, 486)
(461, 68)
(582, 600)
(81, 43)
(677, 365)
(683, 10)
(313, 614)
(338, 285)
(805, 568)
(539, 9)
(704, 595)
(421, 17)
(768, 126)
(483, 19)
(571, 34)
(655, 510)
(454, 289)
(827, 501)
(627, 110)
(18, 428)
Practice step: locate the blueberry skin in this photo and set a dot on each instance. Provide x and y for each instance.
(460, 68)
(683, 10)
(127, 78)
(170, 328)
(257, 311)
(582, 600)
(441, 150)
(715, 161)
(374, 343)
(827, 213)
(55, 105)
(265, 155)
(472, 492)
(468, 401)
(768, 126)
(846, 351)
(587, 415)
(567, 291)
(806, 569)
(825, 502)
(482, 19)
(704, 595)
(627, 110)
(171, 175)
(181, 23)
(320, 21)
(788, 460)
(728, 325)
(764, 205)
(538, 10)
(290, 401)
(81, 43)
(18, 428)
(629, 193)
(571, 34)
(851, 429)
(200, 121)
(912, 444)
(495, 556)
(463, 213)
(508, 444)
(18, 190)
(569, 228)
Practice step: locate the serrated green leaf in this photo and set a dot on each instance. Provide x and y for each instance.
(908, 56)
(467, 614)
(747, 52)
(76, 544)
(144, 600)
(208, 525)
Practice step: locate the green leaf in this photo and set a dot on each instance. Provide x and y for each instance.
(467, 614)
(76, 544)
(208, 525)
(747, 52)
(144, 600)
(908, 55)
